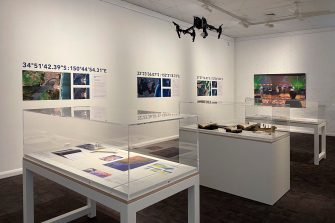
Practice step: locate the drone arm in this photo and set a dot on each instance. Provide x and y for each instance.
(178, 30)
(218, 30)
(193, 34)
(189, 29)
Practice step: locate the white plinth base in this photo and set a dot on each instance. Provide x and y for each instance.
(127, 208)
(248, 168)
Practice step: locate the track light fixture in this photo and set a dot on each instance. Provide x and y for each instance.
(244, 23)
(270, 25)
(201, 24)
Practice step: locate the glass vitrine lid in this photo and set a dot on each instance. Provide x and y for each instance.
(114, 116)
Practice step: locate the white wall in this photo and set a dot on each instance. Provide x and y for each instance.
(91, 32)
(310, 52)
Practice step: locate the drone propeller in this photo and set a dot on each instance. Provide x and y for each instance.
(178, 30)
(220, 30)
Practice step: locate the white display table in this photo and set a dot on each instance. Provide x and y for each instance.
(110, 157)
(318, 126)
(251, 165)
(95, 192)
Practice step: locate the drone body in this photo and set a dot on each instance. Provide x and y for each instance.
(200, 24)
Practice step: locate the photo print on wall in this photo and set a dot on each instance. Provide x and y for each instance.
(214, 88)
(204, 88)
(167, 92)
(81, 93)
(166, 87)
(81, 79)
(157, 85)
(148, 87)
(280, 89)
(214, 84)
(40, 85)
(166, 82)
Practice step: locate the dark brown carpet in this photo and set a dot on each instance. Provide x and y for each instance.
(310, 200)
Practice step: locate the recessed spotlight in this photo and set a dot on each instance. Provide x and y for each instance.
(270, 25)
(244, 23)
(207, 7)
(270, 14)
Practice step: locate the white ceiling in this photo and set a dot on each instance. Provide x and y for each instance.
(254, 11)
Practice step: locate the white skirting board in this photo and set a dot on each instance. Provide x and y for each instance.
(10, 173)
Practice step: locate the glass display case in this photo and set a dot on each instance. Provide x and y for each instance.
(309, 119)
(330, 117)
(239, 119)
(275, 115)
(224, 113)
(313, 111)
(124, 153)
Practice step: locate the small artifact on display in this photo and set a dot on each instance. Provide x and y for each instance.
(233, 129)
(91, 146)
(239, 128)
(66, 152)
(268, 128)
(208, 126)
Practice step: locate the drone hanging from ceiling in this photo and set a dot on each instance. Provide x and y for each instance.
(200, 24)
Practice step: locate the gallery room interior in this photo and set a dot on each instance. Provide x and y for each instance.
(171, 111)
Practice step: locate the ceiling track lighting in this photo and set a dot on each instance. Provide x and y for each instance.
(270, 25)
(244, 23)
(201, 24)
(207, 7)
(296, 13)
